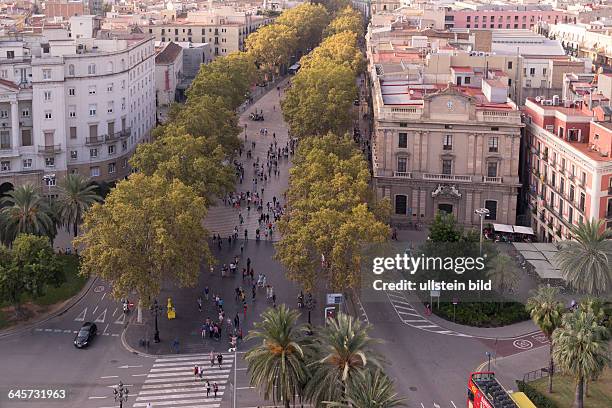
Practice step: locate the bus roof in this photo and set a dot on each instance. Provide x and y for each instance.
(522, 400)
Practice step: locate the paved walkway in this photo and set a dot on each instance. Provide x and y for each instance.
(222, 218)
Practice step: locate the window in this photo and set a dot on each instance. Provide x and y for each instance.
(92, 109)
(491, 205)
(448, 142)
(71, 91)
(401, 164)
(112, 168)
(72, 111)
(582, 202)
(570, 214)
(25, 113)
(91, 69)
(492, 169)
(572, 193)
(467, 80)
(93, 153)
(111, 150)
(71, 70)
(5, 139)
(10, 54)
(47, 95)
(73, 154)
(124, 145)
(122, 103)
(401, 202)
(73, 132)
(403, 140)
(50, 161)
(110, 107)
(509, 64)
(561, 206)
(94, 171)
(26, 137)
(3, 114)
(27, 163)
(493, 144)
(92, 90)
(48, 114)
(532, 71)
(447, 166)
(544, 71)
(46, 74)
(5, 165)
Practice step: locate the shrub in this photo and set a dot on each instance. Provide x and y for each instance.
(540, 400)
(483, 314)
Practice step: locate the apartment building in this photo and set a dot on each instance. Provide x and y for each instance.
(442, 147)
(569, 159)
(168, 73)
(476, 14)
(71, 102)
(224, 30)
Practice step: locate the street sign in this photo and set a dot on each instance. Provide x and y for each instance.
(455, 301)
(435, 293)
(334, 298)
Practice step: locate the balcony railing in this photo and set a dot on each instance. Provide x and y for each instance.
(402, 174)
(496, 180)
(447, 177)
(49, 149)
(92, 140)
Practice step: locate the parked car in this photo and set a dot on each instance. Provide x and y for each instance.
(85, 335)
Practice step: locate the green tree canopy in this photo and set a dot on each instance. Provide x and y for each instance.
(76, 195)
(320, 100)
(340, 48)
(272, 46)
(444, 228)
(25, 211)
(309, 20)
(195, 161)
(586, 261)
(347, 19)
(148, 231)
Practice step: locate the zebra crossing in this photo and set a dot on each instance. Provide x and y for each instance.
(171, 382)
(411, 317)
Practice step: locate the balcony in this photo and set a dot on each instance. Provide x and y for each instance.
(495, 180)
(94, 140)
(447, 177)
(402, 174)
(49, 149)
(609, 190)
(122, 134)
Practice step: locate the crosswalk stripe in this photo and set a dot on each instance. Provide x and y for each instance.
(408, 313)
(157, 370)
(405, 307)
(160, 387)
(205, 363)
(192, 356)
(177, 390)
(415, 321)
(396, 296)
(169, 397)
(426, 327)
(183, 373)
(200, 403)
(186, 378)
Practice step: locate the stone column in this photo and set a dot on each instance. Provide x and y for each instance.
(14, 125)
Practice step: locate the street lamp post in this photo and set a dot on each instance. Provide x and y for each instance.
(489, 363)
(155, 311)
(482, 213)
(121, 393)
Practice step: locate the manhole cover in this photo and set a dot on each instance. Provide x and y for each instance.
(413, 388)
(99, 289)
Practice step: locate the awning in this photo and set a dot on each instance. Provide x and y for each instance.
(503, 228)
(523, 230)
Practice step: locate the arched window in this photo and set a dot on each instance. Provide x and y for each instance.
(71, 70)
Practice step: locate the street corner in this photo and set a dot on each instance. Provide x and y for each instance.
(512, 346)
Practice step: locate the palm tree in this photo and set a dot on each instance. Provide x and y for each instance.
(546, 311)
(585, 261)
(25, 211)
(503, 274)
(581, 349)
(374, 390)
(76, 195)
(343, 352)
(277, 366)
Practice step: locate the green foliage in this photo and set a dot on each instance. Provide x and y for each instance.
(28, 267)
(585, 261)
(272, 46)
(482, 314)
(539, 400)
(545, 309)
(444, 228)
(148, 231)
(347, 19)
(277, 366)
(25, 211)
(76, 195)
(341, 49)
(309, 20)
(503, 273)
(375, 389)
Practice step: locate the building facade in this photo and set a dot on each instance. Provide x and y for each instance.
(446, 148)
(74, 106)
(168, 73)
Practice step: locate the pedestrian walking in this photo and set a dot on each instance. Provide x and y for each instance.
(199, 303)
(176, 345)
(236, 322)
(206, 290)
(207, 388)
(196, 372)
(220, 359)
(215, 389)
(201, 373)
(244, 308)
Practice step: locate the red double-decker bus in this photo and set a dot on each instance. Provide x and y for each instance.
(484, 391)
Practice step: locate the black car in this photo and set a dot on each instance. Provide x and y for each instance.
(85, 335)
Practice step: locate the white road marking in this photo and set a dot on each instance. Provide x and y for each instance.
(139, 375)
(81, 316)
(199, 402)
(94, 311)
(57, 330)
(97, 397)
(415, 321)
(103, 296)
(176, 374)
(115, 335)
(109, 376)
(453, 404)
(38, 329)
(105, 329)
(191, 356)
(169, 397)
(120, 319)
(130, 366)
(101, 318)
(186, 363)
(67, 331)
(186, 378)
(115, 312)
(426, 327)
(125, 385)
(167, 369)
(48, 330)
(179, 390)
(181, 384)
